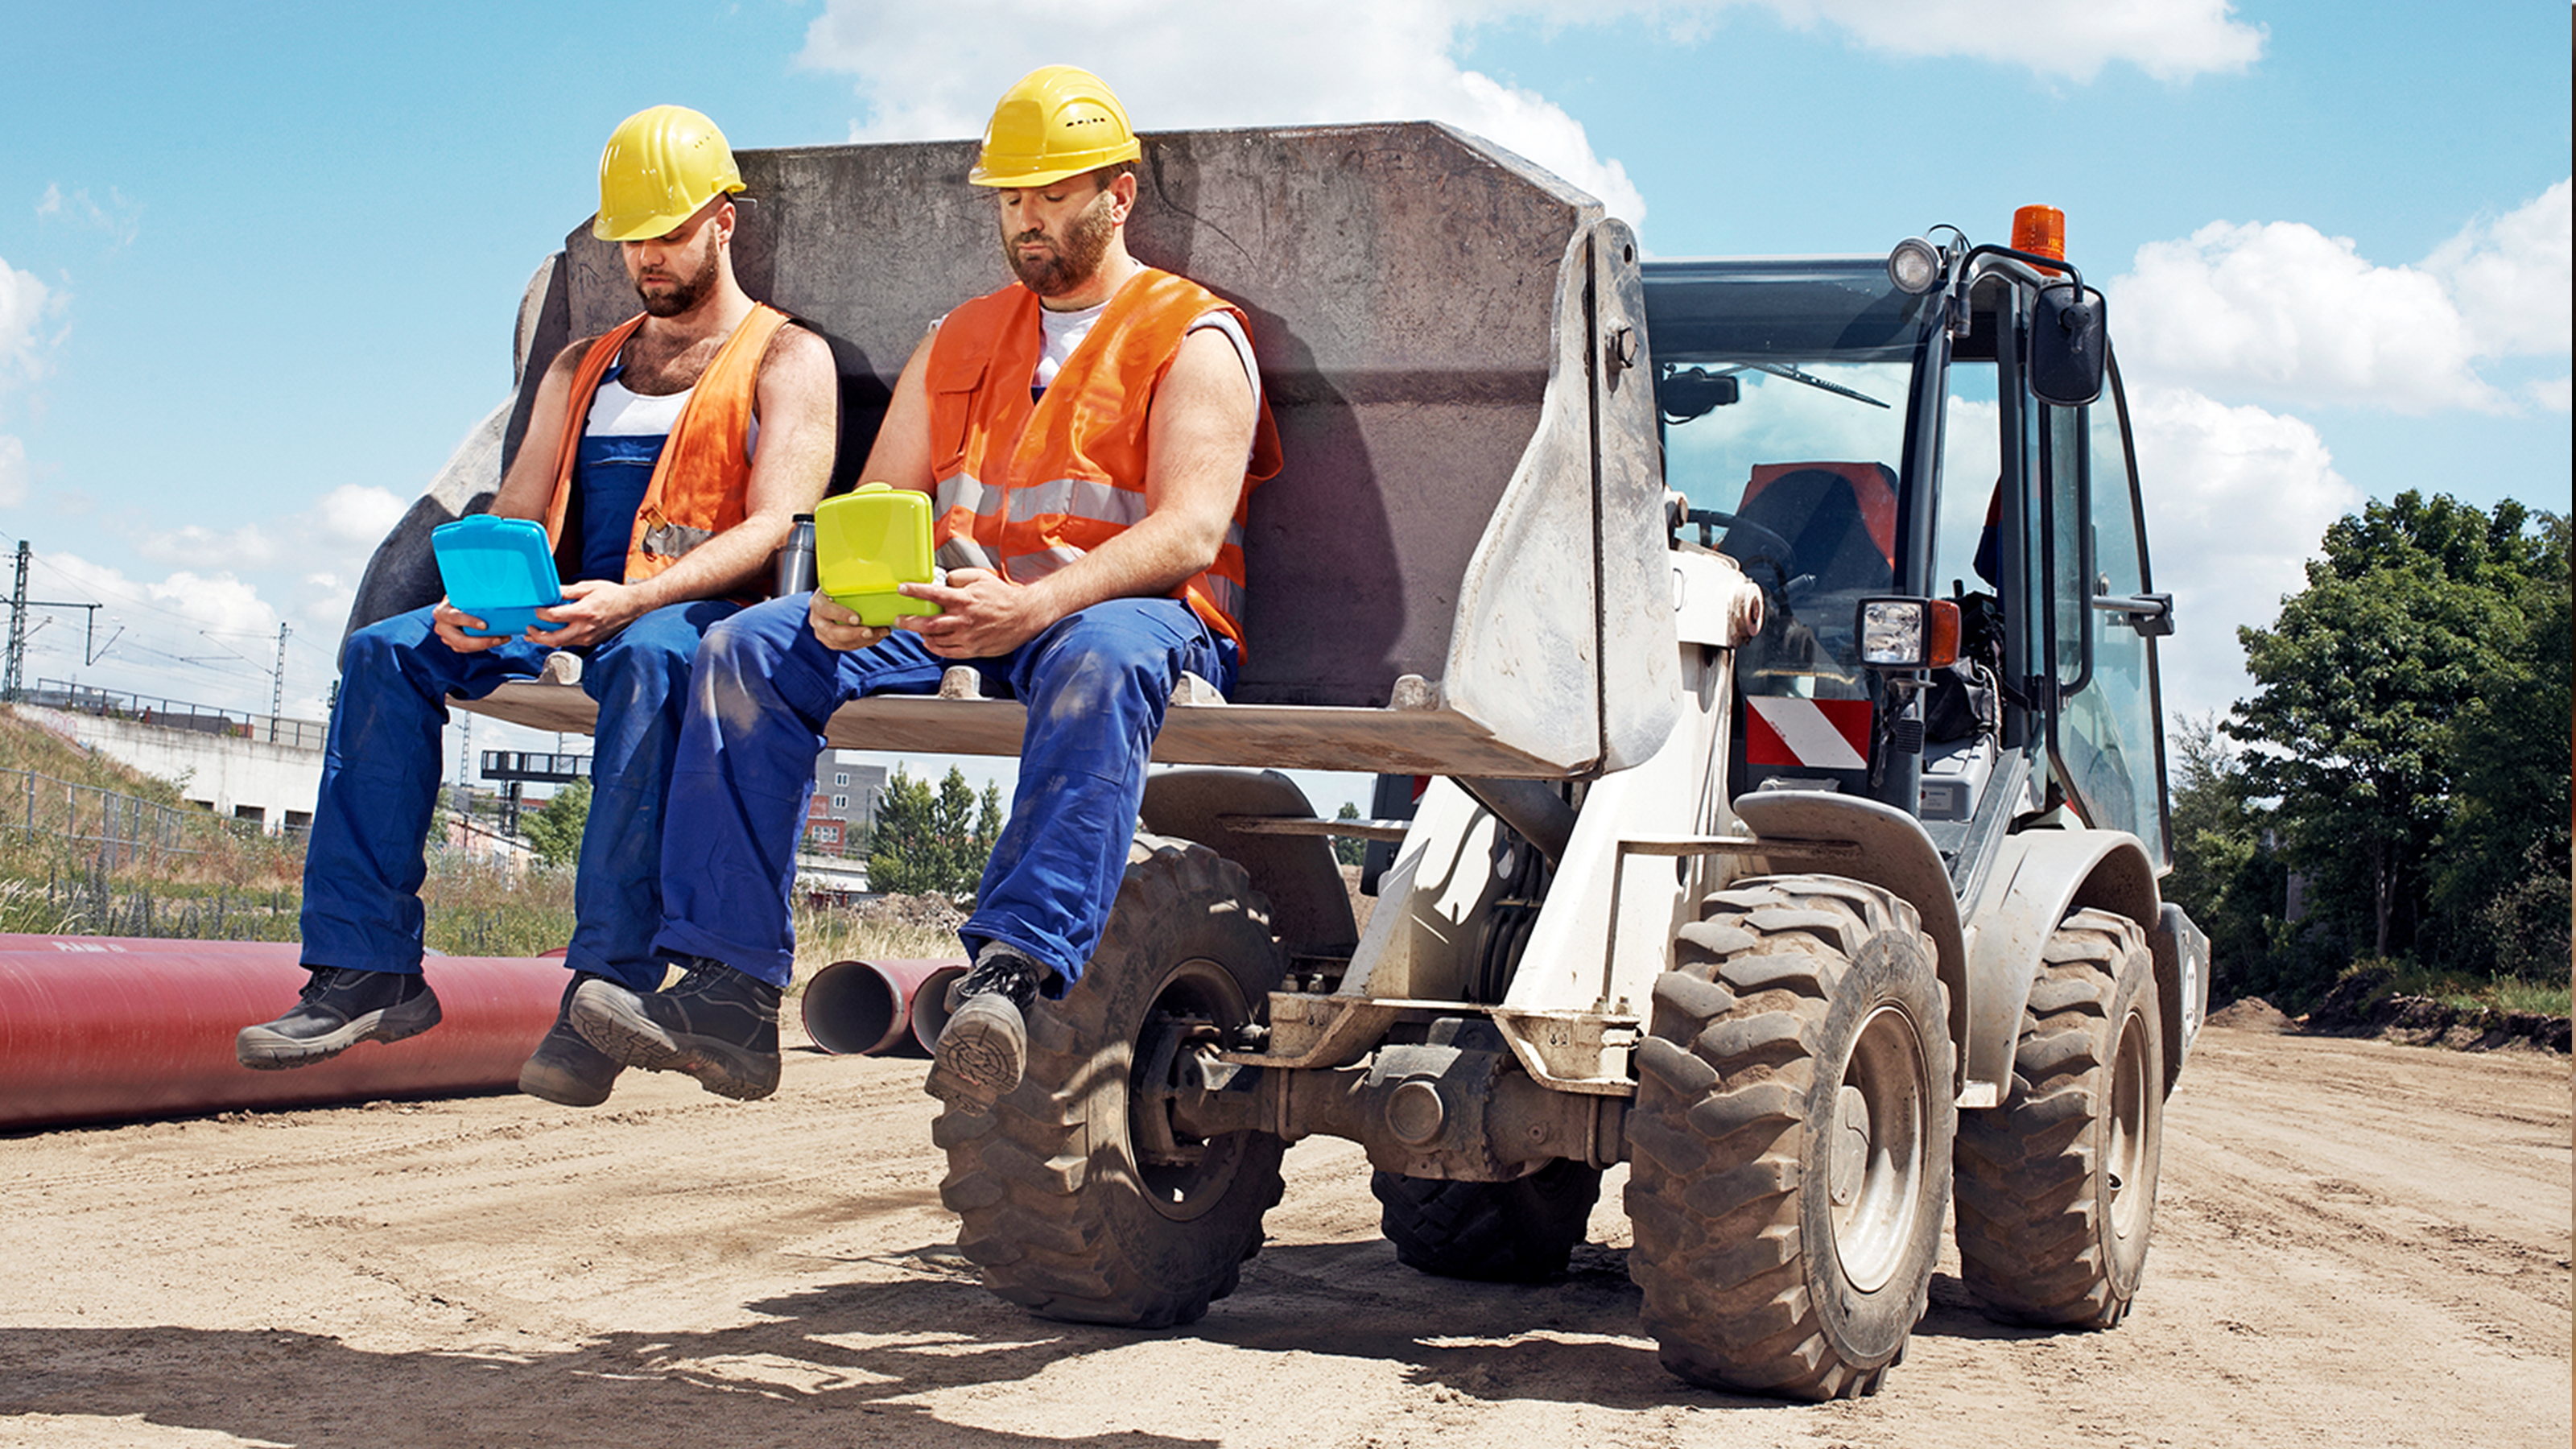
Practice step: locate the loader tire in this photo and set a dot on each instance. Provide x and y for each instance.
(1056, 1204)
(1493, 1232)
(2057, 1185)
(1790, 1141)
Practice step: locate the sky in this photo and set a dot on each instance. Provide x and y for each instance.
(260, 263)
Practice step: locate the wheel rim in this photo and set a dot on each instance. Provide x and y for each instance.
(2124, 1156)
(1876, 1150)
(1198, 996)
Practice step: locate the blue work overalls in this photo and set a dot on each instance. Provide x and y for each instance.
(1096, 684)
(363, 866)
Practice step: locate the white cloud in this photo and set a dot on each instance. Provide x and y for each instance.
(13, 471)
(2237, 498)
(206, 637)
(933, 72)
(2169, 39)
(2281, 310)
(121, 220)
(246, 546)
(2284, 310)
(353, 516)
(325, 609)
(2509, 276)
(930, 73)
(22, 306)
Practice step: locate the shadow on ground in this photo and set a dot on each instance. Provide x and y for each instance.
(865, 1360)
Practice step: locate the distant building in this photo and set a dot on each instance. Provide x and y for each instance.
(844, 808)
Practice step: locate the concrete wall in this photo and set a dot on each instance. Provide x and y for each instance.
(249, 779)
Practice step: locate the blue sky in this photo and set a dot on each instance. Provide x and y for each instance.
(259, 263)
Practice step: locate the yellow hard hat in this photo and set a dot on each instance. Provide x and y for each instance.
(661, 165)
(1059, 121)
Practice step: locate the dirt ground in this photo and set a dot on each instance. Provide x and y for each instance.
(2357, 1243)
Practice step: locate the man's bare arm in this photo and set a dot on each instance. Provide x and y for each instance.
(797, 399)
(529, 485)
(901, 455)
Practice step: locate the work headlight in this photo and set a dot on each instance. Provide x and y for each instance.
(1915, 266)
(1908, 633)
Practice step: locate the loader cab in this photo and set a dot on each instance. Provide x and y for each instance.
(1844, 439)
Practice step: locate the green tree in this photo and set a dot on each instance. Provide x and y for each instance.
(1349, 849)
(2359, 687)
(988, 825)
(555, 827)
(2225, 873)
(933, 841)
(2500, 870)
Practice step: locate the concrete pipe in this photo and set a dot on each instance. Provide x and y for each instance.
(96, 1029)
(864, 1008)
(930, 1006)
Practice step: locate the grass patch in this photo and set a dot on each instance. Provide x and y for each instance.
(890, 928)
(2368, 990)
(201, 877)
(2506, 994)
(476, 907)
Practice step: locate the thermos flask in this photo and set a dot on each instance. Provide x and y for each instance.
(795, 560)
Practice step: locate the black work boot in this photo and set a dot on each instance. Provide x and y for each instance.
(339, 1008)
(717, 1025)
(565, 1068)
(985, 1048)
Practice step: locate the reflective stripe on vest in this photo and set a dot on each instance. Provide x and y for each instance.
(701, 480)
(1082, 445)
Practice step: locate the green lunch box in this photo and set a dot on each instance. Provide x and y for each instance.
(867, 542)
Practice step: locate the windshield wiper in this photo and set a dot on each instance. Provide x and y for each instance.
(1782, 369)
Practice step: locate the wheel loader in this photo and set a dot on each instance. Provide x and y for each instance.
(1756, 659)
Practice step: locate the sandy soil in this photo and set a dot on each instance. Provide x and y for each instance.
(2358, 1243)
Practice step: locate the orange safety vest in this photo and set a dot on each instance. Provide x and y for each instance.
(704, 473)
(1026, 487)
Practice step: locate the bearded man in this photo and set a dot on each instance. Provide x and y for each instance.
(667, 458)
(1090, 435)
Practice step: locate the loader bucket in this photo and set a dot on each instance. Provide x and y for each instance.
(1459, 570)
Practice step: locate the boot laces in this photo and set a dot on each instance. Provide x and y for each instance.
(1010, 975)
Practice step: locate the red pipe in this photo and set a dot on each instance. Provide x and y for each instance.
(96, 1028)
(930, 1007)
(866, 1007)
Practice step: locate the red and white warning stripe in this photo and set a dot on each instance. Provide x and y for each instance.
(1821, 734)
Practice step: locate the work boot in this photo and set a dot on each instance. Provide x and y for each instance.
(717, 1025)
(339, 1008)
(565, 1068)
(985, 1048)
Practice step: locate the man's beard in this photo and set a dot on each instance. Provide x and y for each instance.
(685, 293)
(1077, 256)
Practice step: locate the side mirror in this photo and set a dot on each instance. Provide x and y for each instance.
(2069, 345)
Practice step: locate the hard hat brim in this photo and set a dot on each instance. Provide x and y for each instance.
(647, 228)
(1020, 173)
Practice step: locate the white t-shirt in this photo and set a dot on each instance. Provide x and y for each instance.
(1062, 332)
(619, 412)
